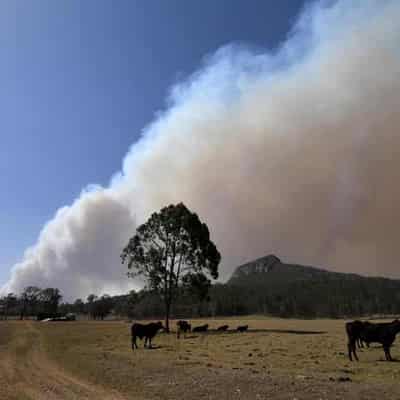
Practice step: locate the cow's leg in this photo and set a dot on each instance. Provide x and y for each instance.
(134, 344)
(149, 342)
(145, 341)
(387, 353)
(349, 348)
(354, 352)
(352, 349)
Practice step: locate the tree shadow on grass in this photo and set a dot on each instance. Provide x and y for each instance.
(289, 331)
(250, 331)
(285, 331)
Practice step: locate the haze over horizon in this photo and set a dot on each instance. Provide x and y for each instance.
(288, 147)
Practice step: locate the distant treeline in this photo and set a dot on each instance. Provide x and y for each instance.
(333, 299)
(306, 299)
(265, 286)
(32, 301)
(40, 303)
(311, 299)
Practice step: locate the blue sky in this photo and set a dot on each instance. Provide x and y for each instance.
(80, 79)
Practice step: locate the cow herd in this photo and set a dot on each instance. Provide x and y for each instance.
(358, 333)
(148, 331)
(184, 326)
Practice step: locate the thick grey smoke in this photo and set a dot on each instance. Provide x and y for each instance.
(294, 152)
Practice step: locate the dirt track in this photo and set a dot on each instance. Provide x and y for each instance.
(26, 373)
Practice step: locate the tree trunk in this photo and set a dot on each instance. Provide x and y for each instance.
(23, 310)
(199, 309)
(167, 311)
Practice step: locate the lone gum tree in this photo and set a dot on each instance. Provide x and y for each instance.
(170, 251)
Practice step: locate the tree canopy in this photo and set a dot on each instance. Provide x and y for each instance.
(170, 251)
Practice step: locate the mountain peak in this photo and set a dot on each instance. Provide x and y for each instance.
(261, 265)
(271, 269)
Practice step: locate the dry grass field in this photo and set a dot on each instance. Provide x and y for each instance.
(276, 359)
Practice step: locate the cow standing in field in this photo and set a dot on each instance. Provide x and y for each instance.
(353, 330)
(223, 328)
(383, 333)
(146, 331)
(242, 328)
(182, 326)
(201, 328)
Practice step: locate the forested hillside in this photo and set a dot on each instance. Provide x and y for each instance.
(269, 286)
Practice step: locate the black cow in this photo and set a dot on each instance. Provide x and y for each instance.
(146, 331)
(242, 328)
(182, 326)
(201, 328)
(383, 333)
(353, 330)
(223, 328)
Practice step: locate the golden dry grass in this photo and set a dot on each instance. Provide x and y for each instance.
(276, 359)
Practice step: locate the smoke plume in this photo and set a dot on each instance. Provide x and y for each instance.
(293, 151)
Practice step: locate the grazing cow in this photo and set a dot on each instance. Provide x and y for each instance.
(146, 331)
(383, 333)
(223, 328)
(201, 328)
(182, 326)
(242, 328)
